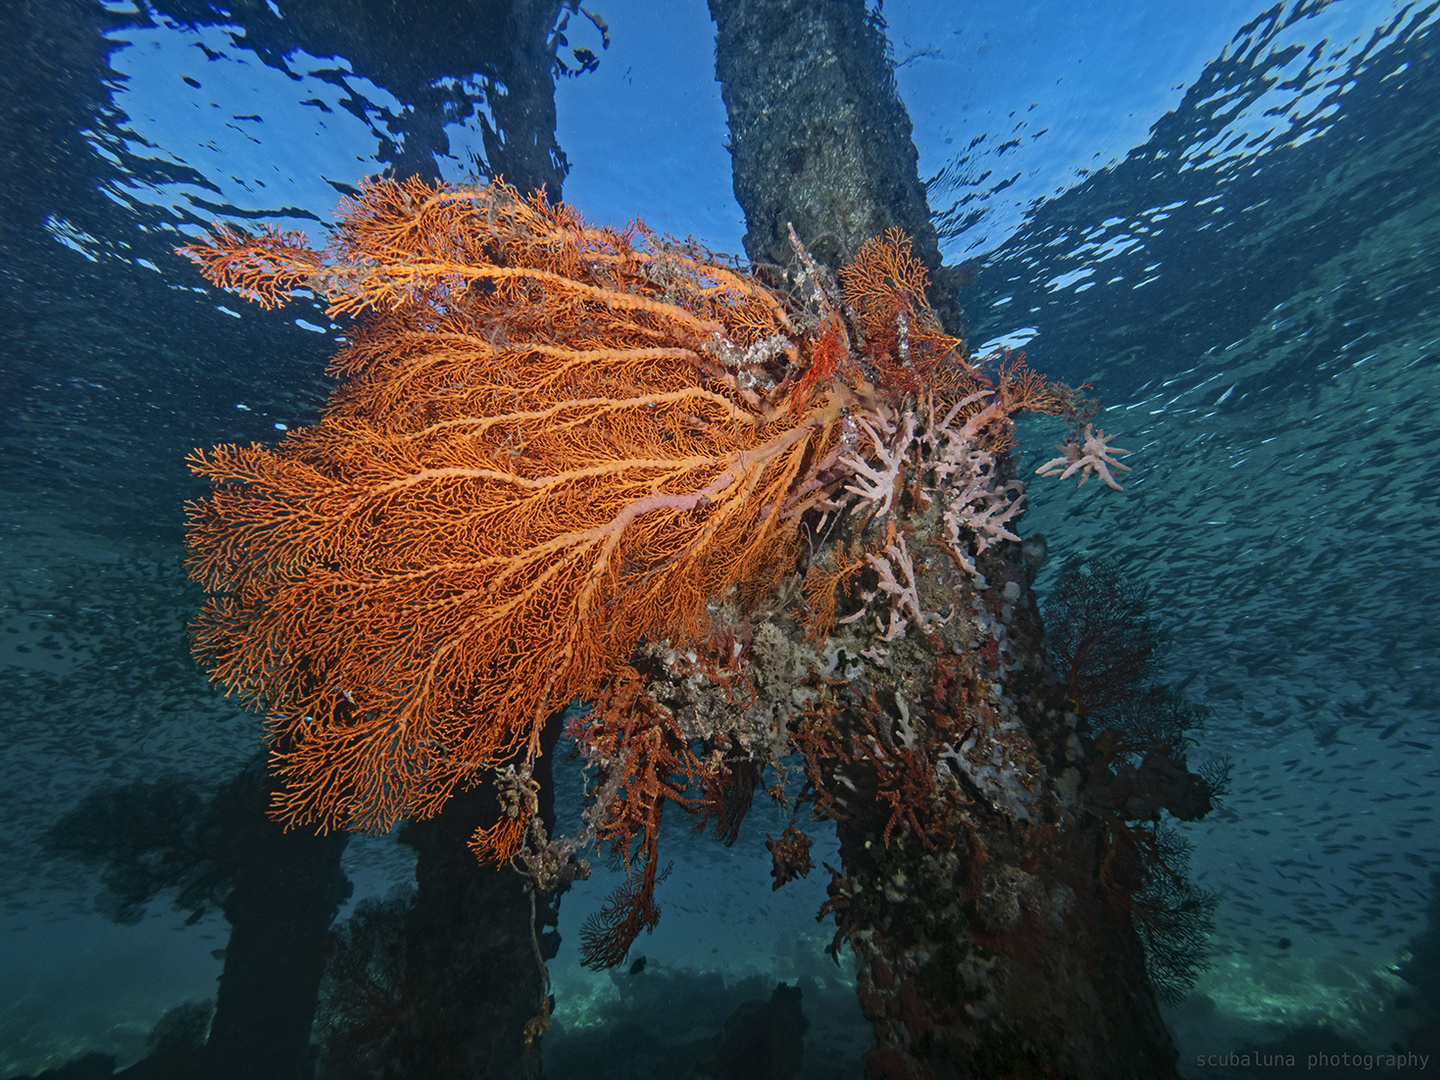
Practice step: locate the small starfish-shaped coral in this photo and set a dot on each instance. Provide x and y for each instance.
(1090, 458)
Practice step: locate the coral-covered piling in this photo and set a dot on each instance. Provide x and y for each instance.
(767, 536)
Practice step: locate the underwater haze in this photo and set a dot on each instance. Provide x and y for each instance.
(1222, 217)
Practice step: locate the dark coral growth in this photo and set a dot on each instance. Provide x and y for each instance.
(727, 791)
(1173, 917)
(607, 934)
(1106, 647)
(1102, 640)
(363, 1000)
(790, 854)
(1146, 738)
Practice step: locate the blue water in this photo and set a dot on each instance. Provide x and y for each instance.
(1222, 216)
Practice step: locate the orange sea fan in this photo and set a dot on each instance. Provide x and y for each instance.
(885, 277)
(885, 286)
(552, 442)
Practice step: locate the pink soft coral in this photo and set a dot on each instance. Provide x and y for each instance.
(1093, 457)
